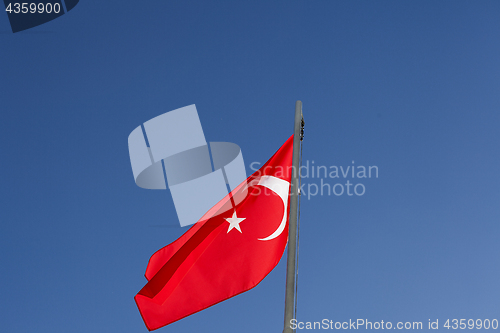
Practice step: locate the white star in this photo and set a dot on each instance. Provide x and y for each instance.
(234, 222)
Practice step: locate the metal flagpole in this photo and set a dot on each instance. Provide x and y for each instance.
(292, 227)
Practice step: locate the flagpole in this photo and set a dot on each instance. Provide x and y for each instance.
(292, 227)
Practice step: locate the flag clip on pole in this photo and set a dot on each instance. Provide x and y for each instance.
(291, 268)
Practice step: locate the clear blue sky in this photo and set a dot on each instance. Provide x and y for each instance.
(411, 87)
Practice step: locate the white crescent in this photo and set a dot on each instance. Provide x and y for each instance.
(280, 187)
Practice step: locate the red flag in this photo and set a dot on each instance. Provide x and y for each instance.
(224, 254)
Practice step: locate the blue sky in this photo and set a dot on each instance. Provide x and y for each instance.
(410, 87)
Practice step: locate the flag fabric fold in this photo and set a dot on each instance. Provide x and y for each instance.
(229, 251)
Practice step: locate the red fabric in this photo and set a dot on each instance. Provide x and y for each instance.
(208, 264)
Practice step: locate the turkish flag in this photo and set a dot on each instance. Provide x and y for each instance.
(228, 252)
